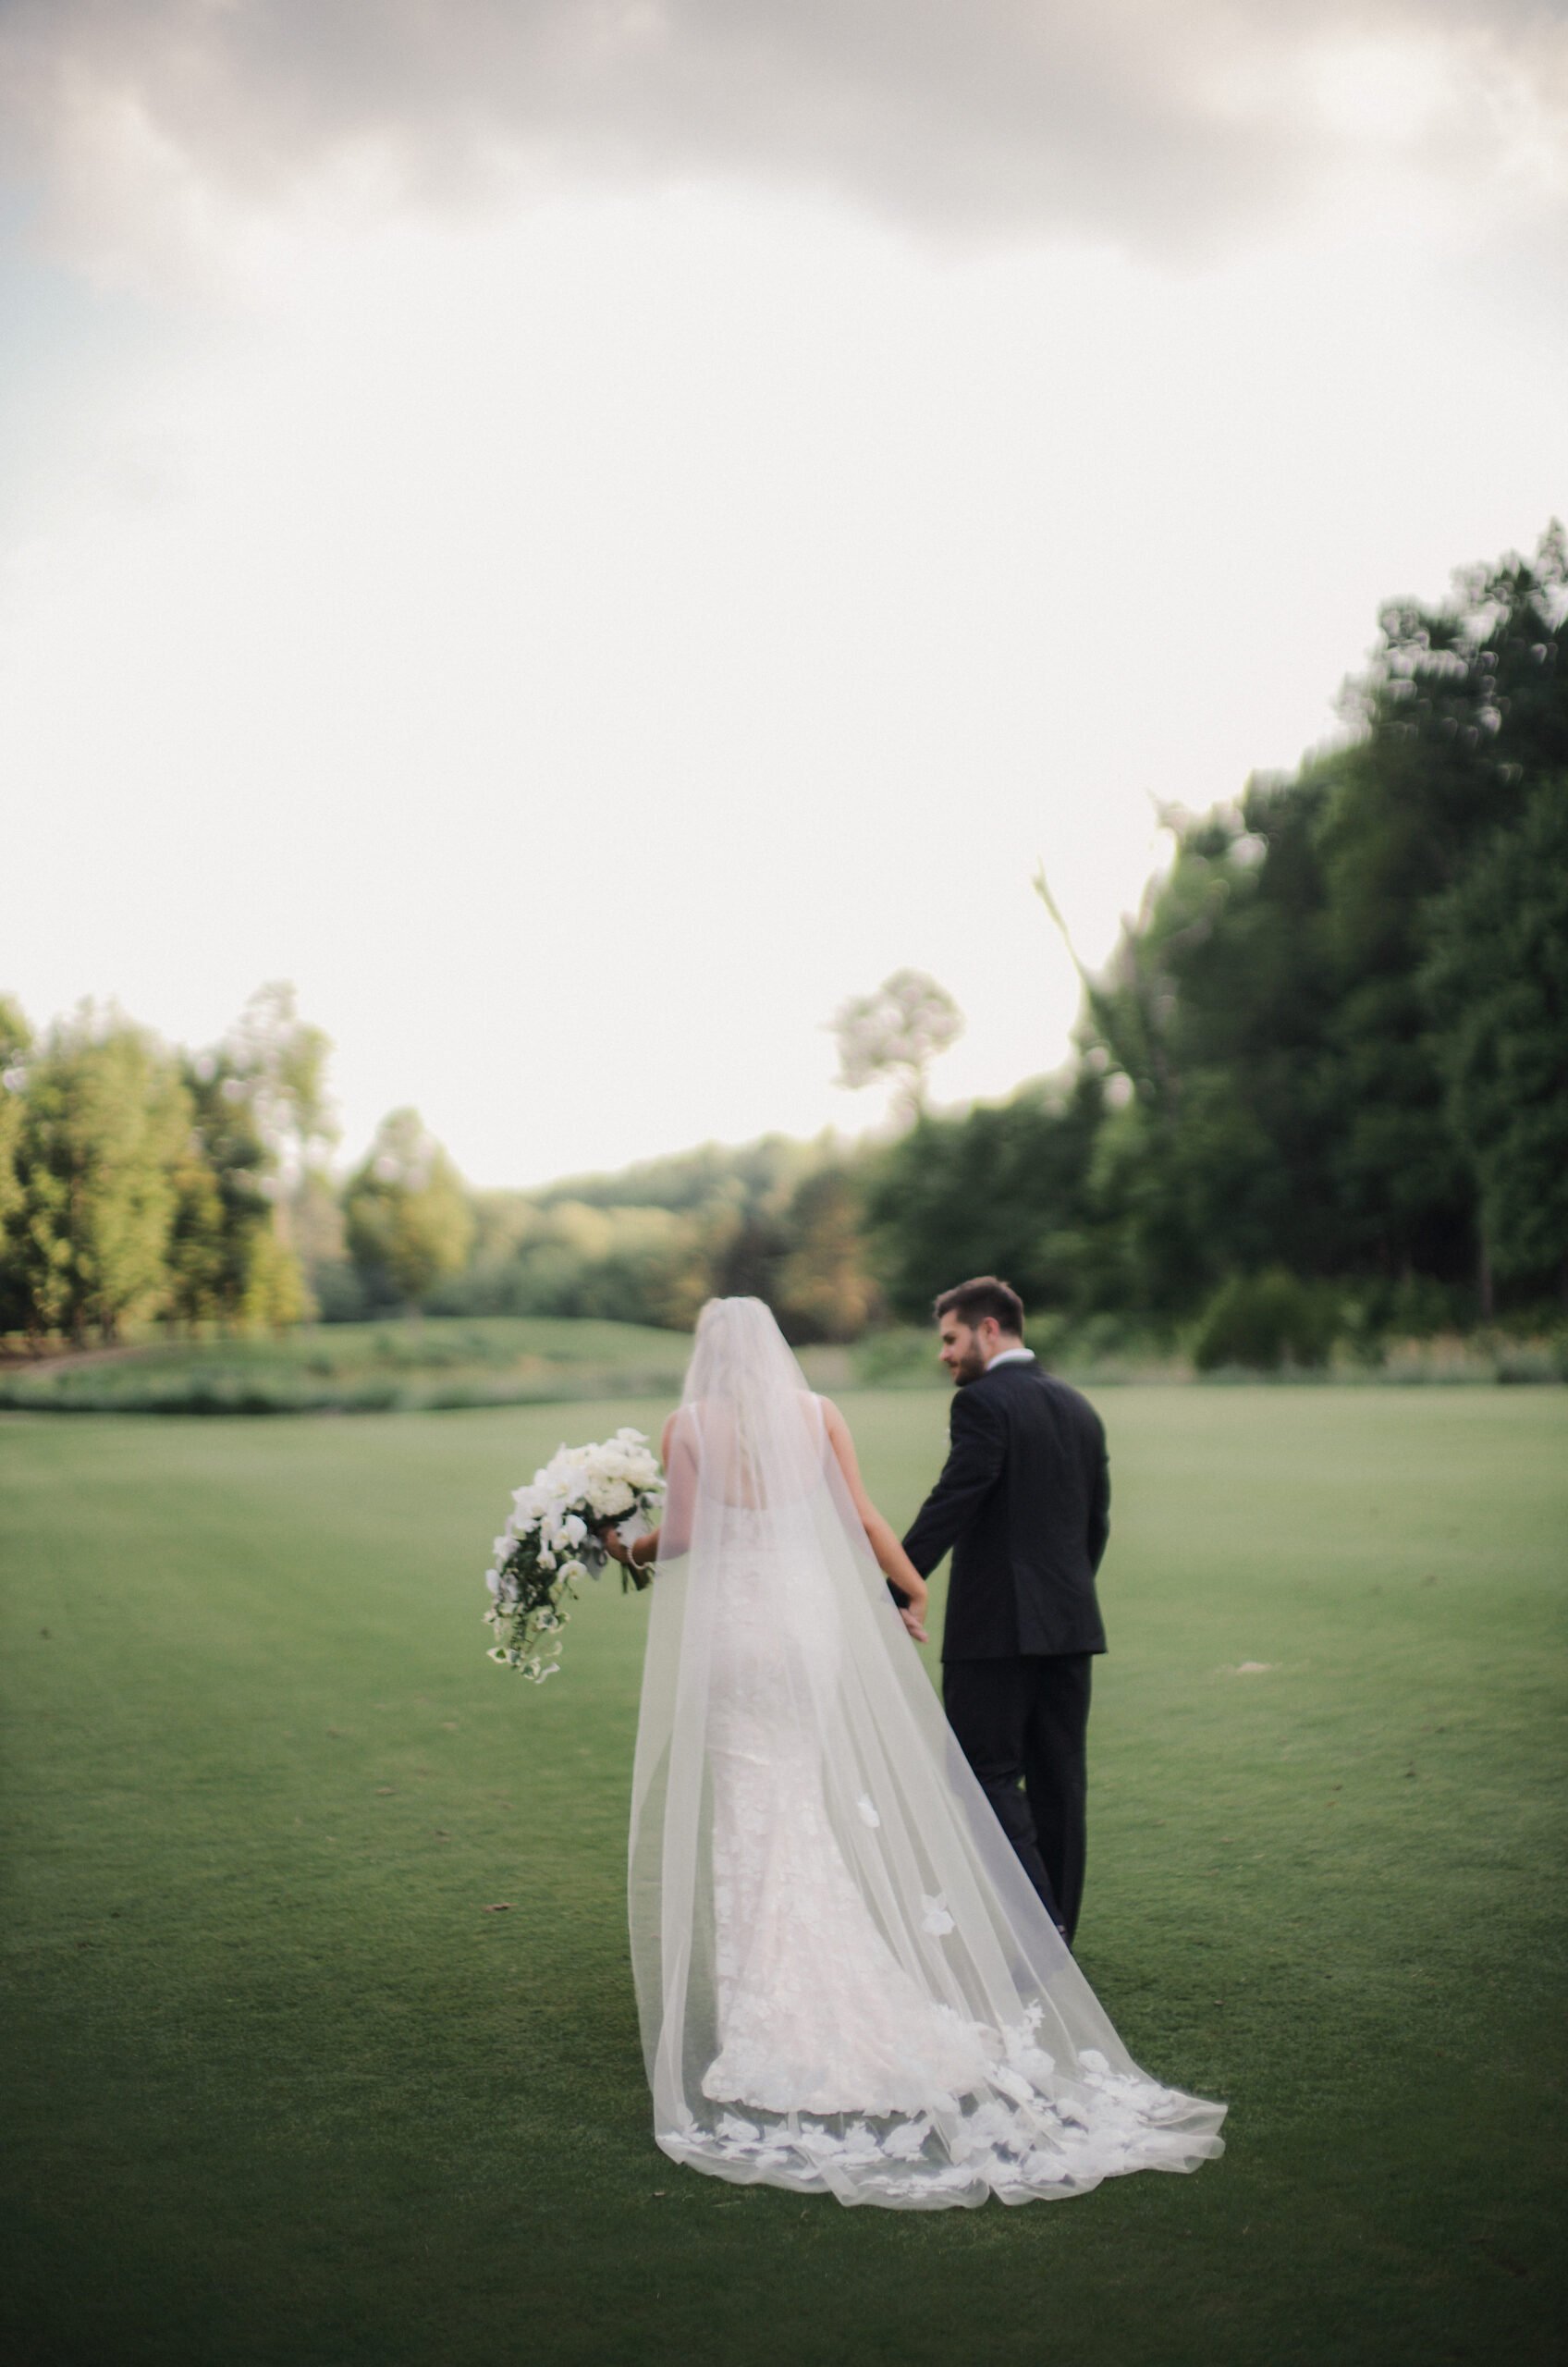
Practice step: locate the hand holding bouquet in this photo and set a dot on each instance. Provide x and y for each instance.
(551, 1541)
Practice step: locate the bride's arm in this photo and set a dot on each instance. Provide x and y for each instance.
(648, 1543)
(909, 1587)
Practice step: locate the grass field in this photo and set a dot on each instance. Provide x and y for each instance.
(280, 2090)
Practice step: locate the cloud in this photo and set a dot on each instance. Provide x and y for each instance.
(1150, 123)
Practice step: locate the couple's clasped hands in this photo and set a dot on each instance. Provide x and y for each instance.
(912, 1614)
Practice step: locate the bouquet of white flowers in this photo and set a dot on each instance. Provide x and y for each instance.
(551, 1541)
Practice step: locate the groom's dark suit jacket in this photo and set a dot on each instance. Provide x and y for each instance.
(1025, 1502)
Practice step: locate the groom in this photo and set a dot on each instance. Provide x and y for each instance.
(1025, 1502)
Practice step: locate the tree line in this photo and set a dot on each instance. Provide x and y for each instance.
(1334, 1044)
(1322, 1084)
(136, 1180)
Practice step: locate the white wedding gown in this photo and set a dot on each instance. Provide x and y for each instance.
(845, 1982)
(815, 2014)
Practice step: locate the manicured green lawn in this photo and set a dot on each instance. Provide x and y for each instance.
(281, 2091)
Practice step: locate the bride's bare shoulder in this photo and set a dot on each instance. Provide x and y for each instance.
(674, 1422)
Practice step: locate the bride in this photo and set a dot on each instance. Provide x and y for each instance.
(846, 1983)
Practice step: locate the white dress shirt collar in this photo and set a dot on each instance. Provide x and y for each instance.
(1011, 1356)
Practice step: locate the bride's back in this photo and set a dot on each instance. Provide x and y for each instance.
(749, 1435)
(753, 1459)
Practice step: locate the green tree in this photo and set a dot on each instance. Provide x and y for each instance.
(16, 1040)
(251, 1184)
(1498, 977)
(1002, 1189)
(825, 1289)
(1268, 1025)
(1462, 711)
(224, 1251)
(320, 1240)
(196, 1251)
(407, 1221)
(1209, 1025)
(103, 1118)
(276, 1295)
(282, 1060)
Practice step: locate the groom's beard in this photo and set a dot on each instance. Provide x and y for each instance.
(969, 1369)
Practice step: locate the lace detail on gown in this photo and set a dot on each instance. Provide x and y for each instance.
(840, 2071)
(815, 2012)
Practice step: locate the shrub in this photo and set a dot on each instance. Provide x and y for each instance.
(1264, 1320)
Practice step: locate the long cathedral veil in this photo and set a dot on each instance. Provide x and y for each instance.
(844, 1979)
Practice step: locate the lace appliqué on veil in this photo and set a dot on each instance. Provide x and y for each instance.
(835, 2069)
(1029, 2134)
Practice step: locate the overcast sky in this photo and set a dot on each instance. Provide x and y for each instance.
(585, 533)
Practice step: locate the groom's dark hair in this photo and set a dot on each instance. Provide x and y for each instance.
(972, 1302)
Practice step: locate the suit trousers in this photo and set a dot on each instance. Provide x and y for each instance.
(1022, 1725)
